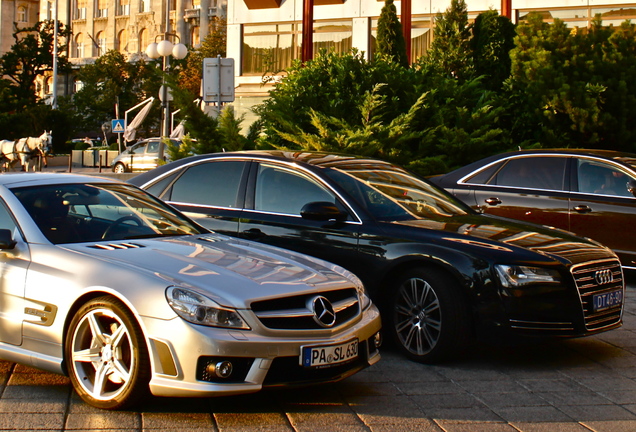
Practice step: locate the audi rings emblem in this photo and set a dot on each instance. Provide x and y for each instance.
(324, 314)
(603, 277)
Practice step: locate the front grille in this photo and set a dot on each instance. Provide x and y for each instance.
(547, 326)
(295, 313)
(588, 285)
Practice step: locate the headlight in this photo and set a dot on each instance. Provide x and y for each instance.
(198, 309)
(512, 276)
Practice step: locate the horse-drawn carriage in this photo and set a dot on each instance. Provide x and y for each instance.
(28, 152)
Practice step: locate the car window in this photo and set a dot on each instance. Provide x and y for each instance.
(484, 176)
(545, 173)
(283, 191)
(601, 178)
(72, 213)
(153, 147)
(392, 194)
(212, 183)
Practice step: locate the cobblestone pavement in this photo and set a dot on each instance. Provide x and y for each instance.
(576, 385)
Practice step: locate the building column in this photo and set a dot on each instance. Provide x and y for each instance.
(204, 20)
(362, 36)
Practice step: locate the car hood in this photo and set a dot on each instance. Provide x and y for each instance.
(230, 271)
(499, 234)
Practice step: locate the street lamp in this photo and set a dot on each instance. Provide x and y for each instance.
(165, 49)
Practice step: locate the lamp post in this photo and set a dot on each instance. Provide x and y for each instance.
(165, 49)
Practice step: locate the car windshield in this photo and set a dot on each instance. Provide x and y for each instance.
(393, 194)
(74, 213)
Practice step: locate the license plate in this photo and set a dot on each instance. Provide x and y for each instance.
(330, 355)
(607, 300)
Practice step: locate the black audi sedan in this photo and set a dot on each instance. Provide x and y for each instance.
(588, 192)
(440, 272)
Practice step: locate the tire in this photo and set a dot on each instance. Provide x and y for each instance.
(107, 356)
(429, 317)
(119, 168)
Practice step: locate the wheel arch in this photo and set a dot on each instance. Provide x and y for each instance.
(421, 262)
(82, 300)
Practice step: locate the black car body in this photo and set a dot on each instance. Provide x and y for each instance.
(588, 192)
(438, 270)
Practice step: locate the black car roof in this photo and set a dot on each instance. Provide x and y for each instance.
(315, 159)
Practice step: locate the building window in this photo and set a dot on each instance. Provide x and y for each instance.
(101, 9)
(143, 40)
(22, 14)
(122, 41)
(123, 8)
(80, 10)
(77, 85)
(48, 85)
(101, 43)
(195, 37)
(144, 6)
(269, 48)
(78, 48)
(334, 35)
(196, 4)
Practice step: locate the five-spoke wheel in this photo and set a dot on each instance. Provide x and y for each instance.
(107, 355)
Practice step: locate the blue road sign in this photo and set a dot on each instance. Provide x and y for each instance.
(118, 126)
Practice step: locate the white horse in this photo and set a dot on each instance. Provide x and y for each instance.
(29, 152)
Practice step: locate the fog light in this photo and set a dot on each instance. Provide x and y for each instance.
(222, 369)
(377, 340)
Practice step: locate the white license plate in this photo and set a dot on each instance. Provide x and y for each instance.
(324, 356)
(607, 300)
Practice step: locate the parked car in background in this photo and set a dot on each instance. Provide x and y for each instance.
(588, 192)
(101, 281)
(438, 271)
(141, 156)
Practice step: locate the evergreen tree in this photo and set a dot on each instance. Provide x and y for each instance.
(450, 51)
(390, 41)
(492, 40)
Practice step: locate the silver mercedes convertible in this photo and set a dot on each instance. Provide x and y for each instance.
(104, 283)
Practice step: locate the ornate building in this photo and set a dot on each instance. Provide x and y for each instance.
(16, 13)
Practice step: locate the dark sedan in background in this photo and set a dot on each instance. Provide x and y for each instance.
(439, 272)
(588, 192)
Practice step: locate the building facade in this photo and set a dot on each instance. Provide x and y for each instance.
(16, 14)
(264, 36)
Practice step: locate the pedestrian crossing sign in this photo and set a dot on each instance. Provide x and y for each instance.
(118, 126)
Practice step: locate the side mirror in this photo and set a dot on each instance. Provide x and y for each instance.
(322, 211)
(6, 239)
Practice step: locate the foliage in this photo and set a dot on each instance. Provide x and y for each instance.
(213, 45)
(110, 80)
(450, 51)
(390, 39)
(492, 39)
(31, 55)
(185, 149)
(574, 89)
(334, 84)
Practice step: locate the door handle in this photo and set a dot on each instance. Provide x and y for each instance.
(253, 234)
(493, 201)
(583, 209)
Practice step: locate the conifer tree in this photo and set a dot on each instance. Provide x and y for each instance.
(390, 40)
(450, 51)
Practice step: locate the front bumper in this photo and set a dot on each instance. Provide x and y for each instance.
(181, 352)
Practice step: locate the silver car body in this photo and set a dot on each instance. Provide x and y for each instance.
(43, 285)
